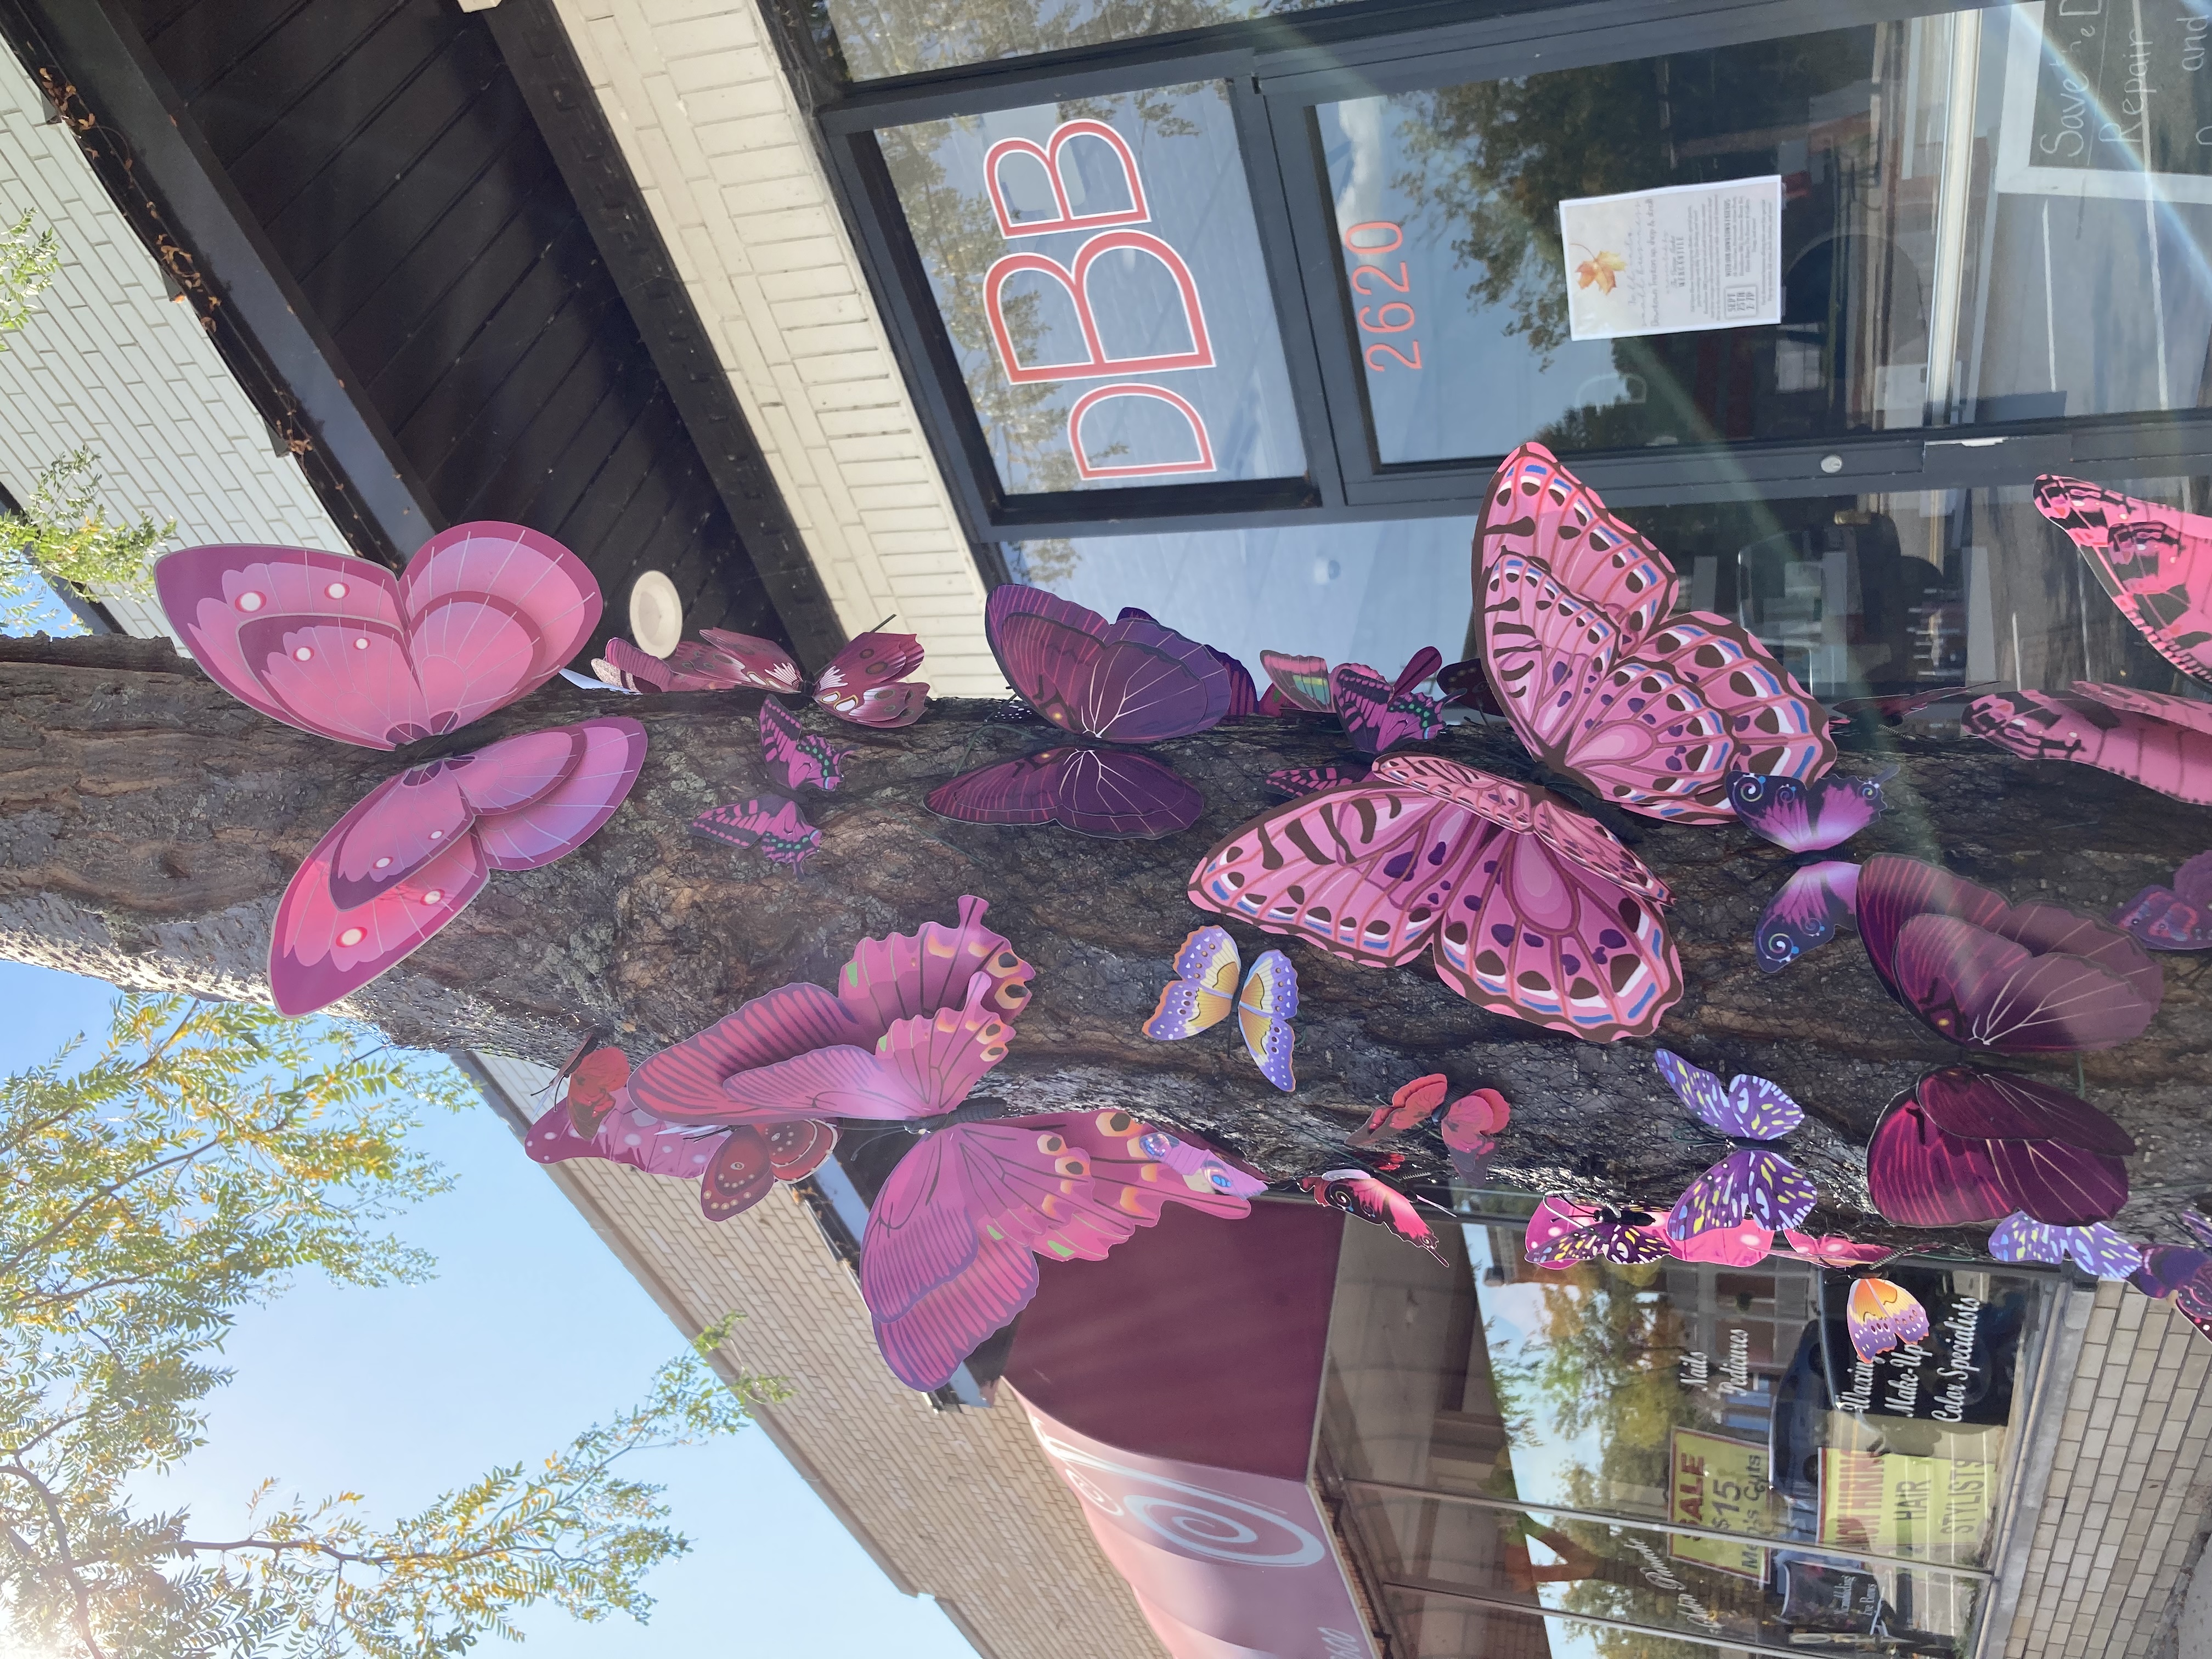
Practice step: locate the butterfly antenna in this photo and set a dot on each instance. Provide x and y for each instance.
(884, 623)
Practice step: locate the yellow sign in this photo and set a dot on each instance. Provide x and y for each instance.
(1935, 1507)
(1722, 1485)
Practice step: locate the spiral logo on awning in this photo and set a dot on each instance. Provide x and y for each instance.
(1194, 1520)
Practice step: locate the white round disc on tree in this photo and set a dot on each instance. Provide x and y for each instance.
(656, 614)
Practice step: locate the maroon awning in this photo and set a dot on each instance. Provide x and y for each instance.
(1174, 1386)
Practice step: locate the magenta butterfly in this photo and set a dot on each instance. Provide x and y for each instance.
(1750, 1185)
(1881, 1316)
(804, 757)
(2176, 918)
(1563, 1233)
(1129, 681)
(773, 823)
(916, 1021)
(2019, 979)
(421, 846)
(1200, 996)
(1601, 679)
(1357, 1192)
(1807, 818)
(951, 1250)
(1377, 713)
(1243, 695)
(1528, 908)
(866, 682)
(2162, 742)
(485, 613)
(1967, 1145)
(2182, 1273)
(735, 1168)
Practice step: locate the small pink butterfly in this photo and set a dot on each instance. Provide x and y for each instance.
(1563, 1233)
(1355, 1192)
(804, 757)
(776, 823)
(421, 846)
(1377, 713)
(863, 684)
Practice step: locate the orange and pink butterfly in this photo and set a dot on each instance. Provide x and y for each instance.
(1206, 989)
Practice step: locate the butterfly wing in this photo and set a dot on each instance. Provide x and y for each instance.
(1357, 1192)
(1805, 817)
(1412, 1104)
(1465, 685)
(623, 1135)
(737, 1175)
(1749, 1184)
(2155, 563)
(902, 974)
(2159, 918)
(1265, 1009)
(1108, 793)
(1920, 1177)
(1833, 1249)
(1137, 1169)
(1473, 1118)
(2049, 1153)
(1130, 681)
(2174, 760)
(552, 824)
(1976, 987)
(1563, 1233)
(1804, 913)
(863, 682)
(467, 590)
(1312, 780)
(1375, 716)
(744, 660)
(246, 611)
(1749, 1108)
(1744, 1245)
(1204, 988)
(1539, 510)
(780, 732)
(1881, 1315)
(773, 822)
(593, 1080)
(1301, 681)
(2096, 1249)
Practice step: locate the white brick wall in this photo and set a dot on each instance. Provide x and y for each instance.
(717, 144)
(109, 360)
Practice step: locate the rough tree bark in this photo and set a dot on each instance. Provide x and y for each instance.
(148, 822)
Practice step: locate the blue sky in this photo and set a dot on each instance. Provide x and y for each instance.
(531, 1331)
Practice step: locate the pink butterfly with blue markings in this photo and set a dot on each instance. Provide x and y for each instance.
(805, 757)
(1751, 1183)
(1807, 817)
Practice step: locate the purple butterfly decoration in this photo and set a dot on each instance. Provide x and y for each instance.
(1243, 695)
(2183, 1275)
(1108, 793)
(2096, 1248)
(1804, 817)
(1563, 1233)
(2176, 918)
(1312, 780)
(804, 757)
(1379, 715)
(1129, 681)
(1750, 1183)
(773, 822)
(1967, 1145)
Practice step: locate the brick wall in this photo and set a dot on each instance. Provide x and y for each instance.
(2129, 1487)
(727, 163)
(109, 360)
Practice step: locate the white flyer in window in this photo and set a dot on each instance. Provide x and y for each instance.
(1672, 260)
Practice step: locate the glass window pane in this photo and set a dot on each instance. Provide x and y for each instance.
(1962, 238)
(1099, 273)
(873, 38)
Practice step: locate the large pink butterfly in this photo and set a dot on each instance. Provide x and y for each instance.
(1528, 907)
(916, 1020)
(952, 1241)
(866, 682)
(2162, 742)
(1600, 675)
(2154, 562)
(485, 613)
(420, 845)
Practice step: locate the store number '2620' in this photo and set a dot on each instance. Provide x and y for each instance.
(1375, 281)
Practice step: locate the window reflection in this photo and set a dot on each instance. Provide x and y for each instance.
(873, 38)
(1972, 230)
(1690, 1450)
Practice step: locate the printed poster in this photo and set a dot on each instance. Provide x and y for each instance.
(1674, 260)
(1937, 1508)
(1721, 1483)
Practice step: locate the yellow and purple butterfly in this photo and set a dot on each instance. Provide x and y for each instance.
(1205, 989)
(1881, 1316)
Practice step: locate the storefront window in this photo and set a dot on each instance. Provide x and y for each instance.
(1097, 269)
(1689, 1450)
(875, 39)
(1950, 220)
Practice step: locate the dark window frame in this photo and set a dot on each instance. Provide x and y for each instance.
(1277, 70)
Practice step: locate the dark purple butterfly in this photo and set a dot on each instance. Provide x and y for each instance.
(804, 757)
(1465, 685)
(1379, 715)
(1108, 793)
(1805, 819)
(777, 824)
(2020, 979)
(2176, 918)
(1967, 1145)
(1312, 780)
(2186, 1275)
(1243, 695)
(1129, 681)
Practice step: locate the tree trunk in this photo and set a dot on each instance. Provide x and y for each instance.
(148, 822)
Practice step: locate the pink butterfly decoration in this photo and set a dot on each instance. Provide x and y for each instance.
(951, 1247)
(866, 682)
(1357, 1192)
(804, 757)
(485, 613)
(421, 846)
(1563, 1233)
(1966, 1145)
(916, 1021)
(1243, 695)
(735, 1168)
(1528, 908)
(2019, 979)
(2162, 742)
(1602, 680)
(773, 822)
(2176, 918)
(1377, 713)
